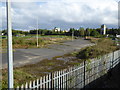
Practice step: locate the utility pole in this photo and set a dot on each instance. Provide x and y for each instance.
(72, 34)
(9, 47)
(37, 33)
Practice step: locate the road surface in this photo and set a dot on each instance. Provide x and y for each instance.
(31, 56)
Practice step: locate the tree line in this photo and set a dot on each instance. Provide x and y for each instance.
(77, 32)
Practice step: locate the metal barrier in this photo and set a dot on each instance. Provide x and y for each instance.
(77, 76)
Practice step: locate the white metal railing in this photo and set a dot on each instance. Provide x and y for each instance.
(77, 76)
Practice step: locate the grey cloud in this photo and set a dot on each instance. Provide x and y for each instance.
(64, 15)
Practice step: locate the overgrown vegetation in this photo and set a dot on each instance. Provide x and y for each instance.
(30, 42)
(103, 46)
(34, 71)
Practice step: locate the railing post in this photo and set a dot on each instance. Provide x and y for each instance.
(119, 54)
(112, 59)
(84, 74)
(52, 81)
(66, 80)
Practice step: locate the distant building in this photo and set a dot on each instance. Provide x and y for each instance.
(57, 29)
(103, 29)
(65, 31)
(118, 36)
(20, 35)
(2, 34)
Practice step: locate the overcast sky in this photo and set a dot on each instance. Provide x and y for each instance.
(64, 14)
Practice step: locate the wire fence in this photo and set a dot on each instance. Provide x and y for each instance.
(77, 76)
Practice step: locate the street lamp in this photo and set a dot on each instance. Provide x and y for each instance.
(37, 33)
(9, 47)
(72, 35)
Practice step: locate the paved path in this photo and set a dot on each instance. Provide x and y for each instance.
(30, 56)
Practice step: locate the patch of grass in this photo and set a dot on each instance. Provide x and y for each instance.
(25, 77)
(30, 42)
(34, 71)
(72, 63)
(20, 77)
(74, 53)
(54, 58)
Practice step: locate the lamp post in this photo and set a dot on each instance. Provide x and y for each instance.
(37, 33)
(9, 47)
(72, 35)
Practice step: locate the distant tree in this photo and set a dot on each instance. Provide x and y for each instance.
(87, 33)
(98, 29)
(26, 33)
(15, 32)
(77, 33)
(71, 31)
(33, 31)
(82, 31)
(113, 31)
(5, 32)
(94, 33)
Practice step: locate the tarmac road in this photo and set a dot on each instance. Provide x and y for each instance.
(31, 56)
